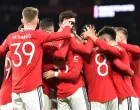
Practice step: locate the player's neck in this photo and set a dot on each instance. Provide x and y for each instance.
(124, 41)
(30, 26)
(112, 43)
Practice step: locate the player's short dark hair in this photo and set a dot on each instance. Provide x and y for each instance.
(88, 25)
(66, 15)
(46, 23)
(20, 27)
(108, 30)
(122, 29)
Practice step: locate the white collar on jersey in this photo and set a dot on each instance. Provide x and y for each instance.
(26, 29)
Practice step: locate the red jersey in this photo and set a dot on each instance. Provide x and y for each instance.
(98, 74)
(26, 54)
(59, 50)
(98, 79)
(122, 83)
(134, 53)
(70, 78)
(6, 88)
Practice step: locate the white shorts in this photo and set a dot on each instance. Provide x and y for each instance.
(33, 100)
(139, 103)
(130, 103)
(111, 105)
(8, 106)
(77, 101)
(47, 102)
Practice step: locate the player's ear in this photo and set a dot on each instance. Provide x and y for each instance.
(121, 38)
(105, 39)
(60, 24)
(37, 21)
(22, 21)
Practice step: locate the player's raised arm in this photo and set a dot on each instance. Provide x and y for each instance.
(106, 42)
(47, 37)
(80, 47)
(123, 67)
(131, 48)
(113, 50)
(62, 50)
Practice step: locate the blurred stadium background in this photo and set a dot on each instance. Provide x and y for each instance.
(10, 15)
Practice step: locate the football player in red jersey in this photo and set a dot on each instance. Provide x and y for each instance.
(26, 48)
(120, 79)
(133, 51)
(46, 25)
(6, 88)
(71, 92)
(98, 73)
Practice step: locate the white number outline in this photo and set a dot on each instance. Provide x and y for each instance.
(8, 70)
(24, 52)
(31, 53)
(16, 53)
(101, 64)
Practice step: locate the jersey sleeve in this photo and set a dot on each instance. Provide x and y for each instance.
(62, 51)
(4, 47)
(47, 37)
(47, 67)
(112, 50)
(74, 73)
(81, 48)
(123, 67)
(131, 48)
(47, 45)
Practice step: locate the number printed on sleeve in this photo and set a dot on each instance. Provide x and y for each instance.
(30, 54)
(101, 64)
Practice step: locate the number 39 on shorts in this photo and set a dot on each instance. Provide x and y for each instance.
(100, 64)
(30, 54)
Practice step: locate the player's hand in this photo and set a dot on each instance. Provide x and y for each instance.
(67, 23)
(49, 74)
(89, 31)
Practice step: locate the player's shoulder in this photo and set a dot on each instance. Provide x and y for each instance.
(8, 54)
(121, 49)
(13, 33)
